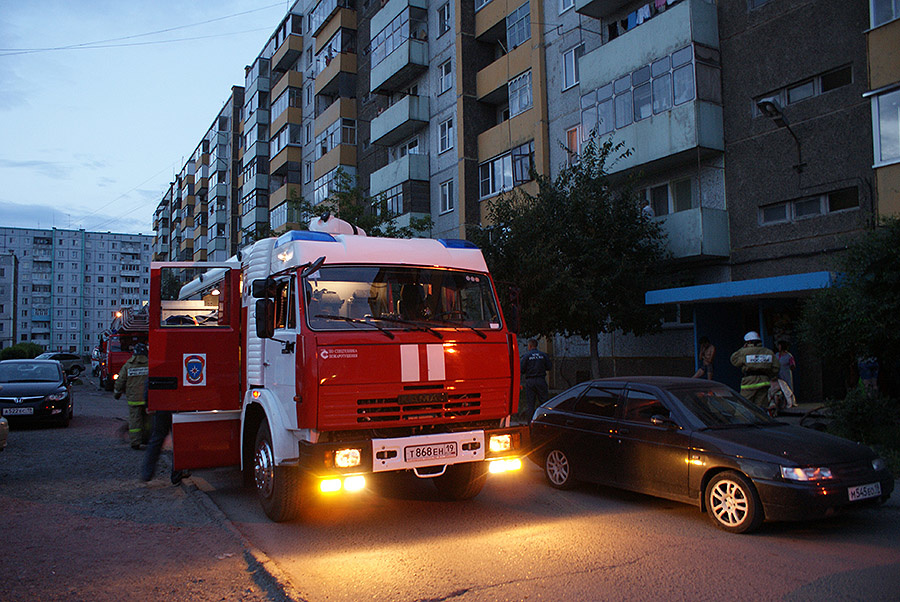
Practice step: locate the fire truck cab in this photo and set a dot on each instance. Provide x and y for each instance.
(320, 358)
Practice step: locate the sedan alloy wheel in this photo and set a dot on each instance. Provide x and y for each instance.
(558, 470)
(732, 503)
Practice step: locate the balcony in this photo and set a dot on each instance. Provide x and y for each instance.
(216, 244)
(218, 191)
(286, 54)
(286, 192)
(257, 149)
(697, 233)
(674, 133)
(257, 215)
(333, 79)
(400, 120)
(400, 67)
(491, 82)
(288, 157)
(342, 155)
(259, 181)
(599, 8)
(409, 167)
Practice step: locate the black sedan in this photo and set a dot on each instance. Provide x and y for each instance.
(700, 442)
(35, 390)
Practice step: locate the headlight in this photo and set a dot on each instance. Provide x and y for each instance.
(57, 396)
(347, 458)
(795, 473)
(878, 464)
(500, 443)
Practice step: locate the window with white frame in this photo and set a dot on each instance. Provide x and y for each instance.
(570, 66)
(480, 3)
(495, 176)
(844, 199)
(518, 26)
(410, 147)
(886, 122)
(444, 19)
(445, 76)
(670, 197)
(307, 172)
(342, 131)
(882, 11)
(447, 202)
(327, 184)
(807, 88)
(520, 97)
(445, 135)
(565, 5)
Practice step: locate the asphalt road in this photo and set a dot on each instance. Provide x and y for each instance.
(77, 524)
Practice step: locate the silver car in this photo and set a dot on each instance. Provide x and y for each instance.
(72, 364)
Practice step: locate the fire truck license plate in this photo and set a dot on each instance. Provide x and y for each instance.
(434, 451)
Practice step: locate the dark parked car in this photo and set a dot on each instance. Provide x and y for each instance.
(71, 363)
(700, 442)
(35, 390)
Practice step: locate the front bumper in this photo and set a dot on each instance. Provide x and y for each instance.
(387, 455)
(789, 501)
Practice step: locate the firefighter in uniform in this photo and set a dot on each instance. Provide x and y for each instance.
(535, 364)
(133, 381)
(759, 365)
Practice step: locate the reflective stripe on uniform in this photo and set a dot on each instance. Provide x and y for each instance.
(756, 386)
(137, 403)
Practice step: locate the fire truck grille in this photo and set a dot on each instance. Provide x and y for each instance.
(392, 410)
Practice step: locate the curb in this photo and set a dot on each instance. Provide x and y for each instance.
(264, 571)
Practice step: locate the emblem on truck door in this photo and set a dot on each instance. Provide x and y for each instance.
(194, 371)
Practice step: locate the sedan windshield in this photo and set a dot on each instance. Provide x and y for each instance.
(396, 297)
(28, 373)
(717, 406)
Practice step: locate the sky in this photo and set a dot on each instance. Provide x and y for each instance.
(102, 102)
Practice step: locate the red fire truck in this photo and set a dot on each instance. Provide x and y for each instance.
(129, 326)
(323, 357)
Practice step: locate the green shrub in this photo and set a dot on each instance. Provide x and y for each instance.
(21, 351)
(873, 420)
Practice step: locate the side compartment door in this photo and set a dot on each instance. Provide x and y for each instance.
(195, 353)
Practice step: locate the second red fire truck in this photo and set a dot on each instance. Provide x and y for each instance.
(323, 357)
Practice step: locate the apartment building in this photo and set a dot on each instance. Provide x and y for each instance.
(755, 152)
(63, 286)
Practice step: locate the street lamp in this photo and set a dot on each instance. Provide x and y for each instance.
(771, 108)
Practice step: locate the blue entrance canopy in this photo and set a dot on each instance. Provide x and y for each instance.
(742, 289)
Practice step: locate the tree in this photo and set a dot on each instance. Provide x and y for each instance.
(371, 214)
(21, 351)
(582, 252)
(860, 315)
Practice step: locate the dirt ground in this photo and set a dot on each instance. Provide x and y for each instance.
(76, 522)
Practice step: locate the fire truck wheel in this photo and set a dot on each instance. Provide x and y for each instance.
(462, 481)
(278, 487)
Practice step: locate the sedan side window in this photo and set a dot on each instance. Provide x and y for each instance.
(599, 402)
(641, 407)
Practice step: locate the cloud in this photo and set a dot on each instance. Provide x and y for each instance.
(17, 215)
(52, 169)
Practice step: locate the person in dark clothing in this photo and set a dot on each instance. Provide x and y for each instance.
(535, 364)
(162, 426)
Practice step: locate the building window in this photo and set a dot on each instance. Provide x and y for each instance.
(307, 172)
(445, 137)
(444, 19)
(882, 11)
(410, 147)
(447, 203)
(573, 145)
(480, 3)
(844, 199)
(803, 90)
(446, 72)
(518, 26)
(396, 33)
(522, 162)
(886, 123)
(391, 200)
(570, 66)
(565, 5)
(671, 197)
(495, 176)
(520, 97)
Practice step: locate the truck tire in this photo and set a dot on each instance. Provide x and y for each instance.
(278, 487)
(462, 481)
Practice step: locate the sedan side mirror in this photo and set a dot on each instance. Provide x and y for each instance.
(660, 420)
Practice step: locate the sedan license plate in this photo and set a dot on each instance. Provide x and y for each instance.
(863, 492)
(434, 451)
(17, 411)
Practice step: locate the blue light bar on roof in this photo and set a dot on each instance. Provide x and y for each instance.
(293, 235)
(457, 243)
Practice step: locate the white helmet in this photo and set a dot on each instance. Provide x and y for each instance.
(752, 336)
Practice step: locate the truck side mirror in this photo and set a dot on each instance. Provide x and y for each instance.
(265, 318)
(263, 288)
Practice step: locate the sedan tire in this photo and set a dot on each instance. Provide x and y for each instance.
(558, 469)
(732, 503)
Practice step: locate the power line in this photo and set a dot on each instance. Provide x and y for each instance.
(108, 42)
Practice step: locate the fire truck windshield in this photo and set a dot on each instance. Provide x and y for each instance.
(397, 297)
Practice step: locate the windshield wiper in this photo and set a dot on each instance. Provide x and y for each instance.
(411, 324)
(387, 332)
(455, 325)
